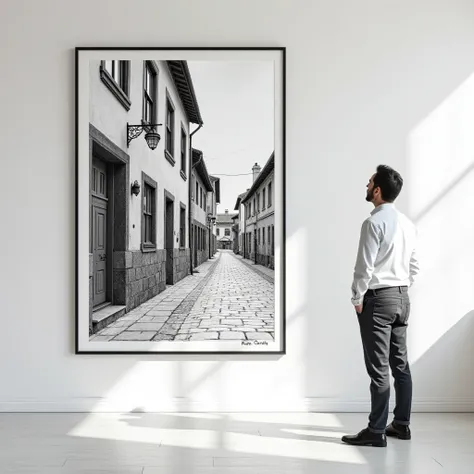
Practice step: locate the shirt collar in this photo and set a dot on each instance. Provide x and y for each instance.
(385, 205)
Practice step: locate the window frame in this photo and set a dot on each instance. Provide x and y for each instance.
(182, 226)
(184, 152)
(170, 107)
(273, 241)
(148, 182)
(122, 94)
(151, 66)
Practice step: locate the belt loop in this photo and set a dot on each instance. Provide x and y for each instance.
(375, 292)
(400, 289)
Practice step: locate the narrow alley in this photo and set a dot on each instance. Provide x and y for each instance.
(227, 299)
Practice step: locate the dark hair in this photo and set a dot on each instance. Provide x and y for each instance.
(389, 181)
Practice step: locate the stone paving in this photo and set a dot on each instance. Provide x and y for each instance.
(226, 300)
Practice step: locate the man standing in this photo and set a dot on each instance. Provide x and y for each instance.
(385, 267)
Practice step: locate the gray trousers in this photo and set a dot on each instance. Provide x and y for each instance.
(383, 327)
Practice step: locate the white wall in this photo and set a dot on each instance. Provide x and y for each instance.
(153, 162)
(109, 116)
(211, 203)
(199, 213)
(368, 82)
(222, 228)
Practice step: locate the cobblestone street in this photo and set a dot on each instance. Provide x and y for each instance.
(229, 299)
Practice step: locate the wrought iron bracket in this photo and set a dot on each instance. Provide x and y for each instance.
(134, 131)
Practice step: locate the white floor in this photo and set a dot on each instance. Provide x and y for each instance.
(199, 443)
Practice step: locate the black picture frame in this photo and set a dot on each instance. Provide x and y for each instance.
(115, 153)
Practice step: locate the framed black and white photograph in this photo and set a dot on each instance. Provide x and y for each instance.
(180, 200)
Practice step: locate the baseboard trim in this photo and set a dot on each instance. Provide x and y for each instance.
(183, 405)
(427, 405)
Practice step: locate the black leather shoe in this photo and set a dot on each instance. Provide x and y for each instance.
(366, 438)
(398, 431)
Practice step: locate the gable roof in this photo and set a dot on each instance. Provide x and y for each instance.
(239, 200)
(217, 187)
(224, 219)
(184, 84)
(267, 169)
(200, 166)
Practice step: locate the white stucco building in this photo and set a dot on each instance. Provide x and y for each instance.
(201, 196)
(139, 197)
(240, 208)
(224, 230)
(213, 200)
(259, 223)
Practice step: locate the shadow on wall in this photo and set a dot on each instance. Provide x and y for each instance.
(322, 336)
(437, 165)
(463, 175)
(447, 367)
(322, 333)
(323, 341)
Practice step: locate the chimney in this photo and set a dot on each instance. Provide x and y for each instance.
(256, 171)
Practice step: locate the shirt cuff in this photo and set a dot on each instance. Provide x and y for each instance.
(357, 302)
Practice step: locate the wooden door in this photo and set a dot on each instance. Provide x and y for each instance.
(195, 233)
(169, 241)
(99, 231)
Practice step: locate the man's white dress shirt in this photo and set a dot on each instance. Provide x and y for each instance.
(387, 253)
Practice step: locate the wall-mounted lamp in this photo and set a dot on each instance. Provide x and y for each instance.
(136, 188)
(152, 138)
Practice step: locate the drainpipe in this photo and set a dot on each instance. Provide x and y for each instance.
(244, 243)
(256, 237)
(190, 226)
(257, 209)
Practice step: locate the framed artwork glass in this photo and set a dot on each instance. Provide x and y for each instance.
(180, 200)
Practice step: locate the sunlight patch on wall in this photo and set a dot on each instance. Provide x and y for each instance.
(440, 184)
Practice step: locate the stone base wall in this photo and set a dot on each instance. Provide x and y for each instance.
(262, 259)
(202, 256)
(146, 278)
(139, 276)
(182, 262)
(91, 290)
